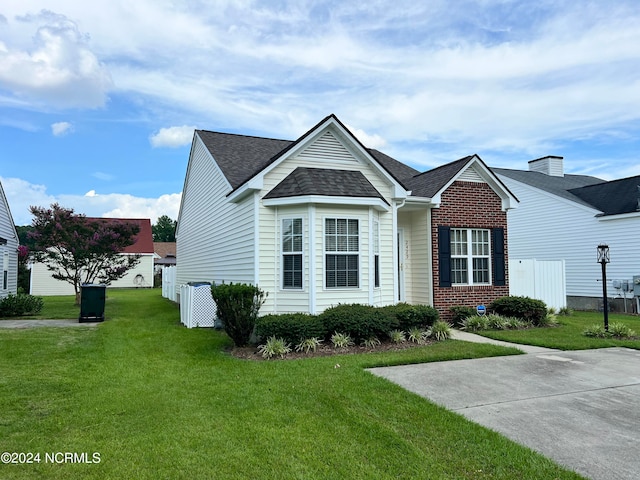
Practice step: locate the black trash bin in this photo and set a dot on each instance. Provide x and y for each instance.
(92, 297)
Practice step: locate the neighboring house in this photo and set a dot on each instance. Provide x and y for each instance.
(164, 255)
(323, 220)
(8, 249)
(42, 283)
(565, 217)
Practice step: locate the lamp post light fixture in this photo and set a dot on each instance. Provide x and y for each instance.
(603, 259)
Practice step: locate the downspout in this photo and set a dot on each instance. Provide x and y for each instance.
(276, 260)
(311, 283)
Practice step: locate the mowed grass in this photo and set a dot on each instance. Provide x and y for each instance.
(568, 334)
(158, 401)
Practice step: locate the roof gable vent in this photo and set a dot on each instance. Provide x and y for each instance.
(549, 165)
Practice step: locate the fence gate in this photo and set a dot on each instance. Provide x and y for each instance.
(169, 283)
(541, 279)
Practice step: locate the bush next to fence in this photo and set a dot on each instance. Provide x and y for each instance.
(360, 322)
(20, 304)
(412, 316)
(525, 308)
(237, 307)
(292, 327)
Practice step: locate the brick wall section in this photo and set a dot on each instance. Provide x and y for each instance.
(466, 205)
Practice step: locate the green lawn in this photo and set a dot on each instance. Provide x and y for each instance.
(568, 334)
(156, 400)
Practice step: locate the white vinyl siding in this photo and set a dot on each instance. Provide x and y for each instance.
(9, 251)
(215, 238)
(42, 283)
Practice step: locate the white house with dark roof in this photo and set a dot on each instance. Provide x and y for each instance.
(565, 217)
(8, 249)
(324, 220)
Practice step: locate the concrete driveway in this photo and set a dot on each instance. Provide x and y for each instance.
(579, 408)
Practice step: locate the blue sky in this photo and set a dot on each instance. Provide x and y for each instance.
(99, 100)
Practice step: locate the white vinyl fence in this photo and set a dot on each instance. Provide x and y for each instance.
(197, 308)
(169, 289)
(541, 279)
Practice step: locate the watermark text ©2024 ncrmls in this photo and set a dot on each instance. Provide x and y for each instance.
(49, 457)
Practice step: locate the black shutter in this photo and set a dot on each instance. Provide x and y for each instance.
(444, 255)
(499, 268)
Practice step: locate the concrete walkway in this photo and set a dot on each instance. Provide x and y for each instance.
(45, 323)
(472, 337)
(579, 408)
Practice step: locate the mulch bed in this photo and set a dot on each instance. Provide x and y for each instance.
(252, 353)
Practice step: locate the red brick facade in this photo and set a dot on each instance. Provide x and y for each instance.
(467, 205)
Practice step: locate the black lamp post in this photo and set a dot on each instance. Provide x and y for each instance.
(603, 259)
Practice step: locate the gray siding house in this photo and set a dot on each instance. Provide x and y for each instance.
(565, 217)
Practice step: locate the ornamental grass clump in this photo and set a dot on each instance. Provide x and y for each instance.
(440, 331)
(418, 335)
(274, 346)
(341, 340)
(308, 345)
(397, 336)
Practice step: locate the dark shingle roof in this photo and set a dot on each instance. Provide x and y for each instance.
(241, 157)
(560, 186)
(429, 183)
(614, 197)
(325, 182)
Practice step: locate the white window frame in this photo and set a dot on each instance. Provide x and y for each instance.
(466, 249)
(292, 252)
(336, 252)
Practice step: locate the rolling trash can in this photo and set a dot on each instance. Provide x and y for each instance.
(92, 298)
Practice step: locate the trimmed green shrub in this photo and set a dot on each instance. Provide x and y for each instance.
(238, 305)
(20, 304)
(525, 308)
(358, 321)
(293, 327)
(460, 313)
(410, 316)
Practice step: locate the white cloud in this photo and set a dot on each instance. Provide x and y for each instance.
(58, 68)
(369, 141)
(172, 136)
(22, 194)
(61, 128)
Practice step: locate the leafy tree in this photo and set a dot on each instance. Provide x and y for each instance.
(164, 230)
(78, 250)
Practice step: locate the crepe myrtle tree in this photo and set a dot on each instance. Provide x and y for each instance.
(79, 250)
